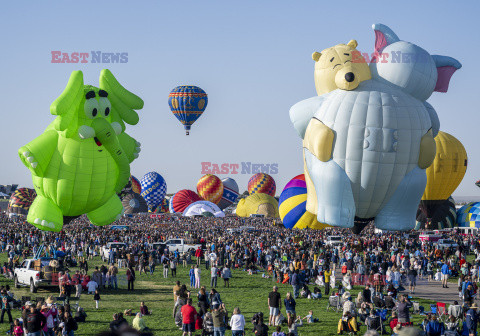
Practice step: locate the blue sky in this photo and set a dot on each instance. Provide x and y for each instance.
(253, 58)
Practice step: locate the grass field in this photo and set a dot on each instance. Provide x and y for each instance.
(249, 292)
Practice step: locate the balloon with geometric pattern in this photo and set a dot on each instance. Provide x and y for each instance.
(469, 215)
(154, 189)
(210, 188)
(261, 183)
(292, 206)
(187, 103)
(21, 200)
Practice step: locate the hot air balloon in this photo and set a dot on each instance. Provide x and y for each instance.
(261, 183)
(477, 183)
(210, 188)
(154, 189)
(182, 199)
(134, 203)
(136, 186)
(132, 186)
(163, 207)
(469, 215)
(230, 193)
(187, 103)
(292, 206)
(21, 200)
(259, 204)
(203, 207)
(445, 173)
(444, 216)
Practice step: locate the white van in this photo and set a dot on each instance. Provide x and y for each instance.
(334, 241)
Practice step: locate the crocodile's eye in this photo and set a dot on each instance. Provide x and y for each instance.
(104, 106)
(91, 108)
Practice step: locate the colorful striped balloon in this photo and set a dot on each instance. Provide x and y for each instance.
(210, 188)
(187, 103)
(182, 199)
(292, 206)
(262, 183)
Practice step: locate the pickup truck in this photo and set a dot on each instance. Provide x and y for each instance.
(334, 241)
(105, 251)
(446, 243)
(179, 244)
(37, 273)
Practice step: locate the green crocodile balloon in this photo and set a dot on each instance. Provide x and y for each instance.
(82, 160)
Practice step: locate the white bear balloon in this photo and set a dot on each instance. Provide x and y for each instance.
(366, 149)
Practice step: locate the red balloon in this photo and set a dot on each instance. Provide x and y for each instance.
(182, 199)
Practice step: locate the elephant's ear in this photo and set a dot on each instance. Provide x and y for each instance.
(124, 103)
(66, 105)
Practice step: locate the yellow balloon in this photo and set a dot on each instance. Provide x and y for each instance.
(260, 204)
(448, 168)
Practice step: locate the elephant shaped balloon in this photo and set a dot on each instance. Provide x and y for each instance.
(82, 160)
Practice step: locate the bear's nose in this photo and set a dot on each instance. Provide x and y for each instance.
(349, 77)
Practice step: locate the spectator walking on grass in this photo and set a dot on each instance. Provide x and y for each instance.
(189, 315)
(213, 276)
(237, 322)
(274, 304)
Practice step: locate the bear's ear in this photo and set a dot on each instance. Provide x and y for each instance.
(316, 56)
(384, 36)
(446, 66)
(352, 44)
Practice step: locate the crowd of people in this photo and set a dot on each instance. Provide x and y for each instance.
(385, 265)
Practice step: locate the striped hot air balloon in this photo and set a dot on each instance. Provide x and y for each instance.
(21, 200)
(292, 206)
(187, 103)
(210, 188)
(230, 193)
(261, 183)
(182, 199)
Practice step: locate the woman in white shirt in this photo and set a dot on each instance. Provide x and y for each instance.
(237, 322)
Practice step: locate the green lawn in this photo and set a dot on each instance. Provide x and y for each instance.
(249, 292)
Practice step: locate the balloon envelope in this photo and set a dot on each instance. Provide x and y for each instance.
(210, 188)
(203, 208)
(260, 204)
(261, 183)
(163, 207)
(292, 206)
(21, 200)
(469, 215)
(154, 189)
(444, 216)
(136, 186)
(187, 103)
(230, 193)
(182, 199)
(134, 203)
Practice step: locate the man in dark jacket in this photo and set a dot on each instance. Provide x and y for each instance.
(34, 322)
(403, 308)
(6, 306)
(471, 319)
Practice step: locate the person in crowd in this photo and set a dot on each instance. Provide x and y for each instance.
(219, 316)
(278, 332)
(197, 272)
(69, 324)
(34, 322)
(226, 276)
(17, 328)
(189, 315)
(260, 328)
(50, 314)
(403, 309)
(293, 325)
(130, 278)
(119, 323)
(214, 298)
(139, 323)
(213, 276)
(290, 304)
(274, 304)
(203, 302)
(6, 306)
(192, 276)
(471, 320)
(434, 327)
(144, 309)
(96, 298)
(237, 323)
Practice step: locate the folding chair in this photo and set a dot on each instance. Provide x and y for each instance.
(333, 303)
(433, 309)
(442, 311)
(374, 323)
